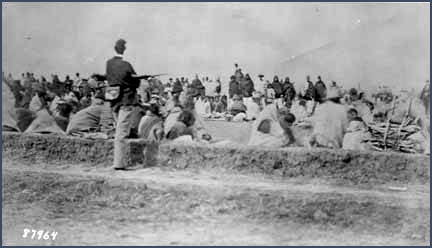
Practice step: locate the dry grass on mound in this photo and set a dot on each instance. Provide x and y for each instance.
(351, 167)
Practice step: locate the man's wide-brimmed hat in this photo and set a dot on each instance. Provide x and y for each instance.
(260, 75)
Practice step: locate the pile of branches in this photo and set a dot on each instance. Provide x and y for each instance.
(391, 136)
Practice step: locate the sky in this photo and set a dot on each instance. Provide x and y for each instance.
(208, 38)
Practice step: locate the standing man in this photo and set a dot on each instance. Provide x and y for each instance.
(183, 82)
(218, 87)
(288, 90)
(76, 82)
(198, 86)
(123, 84)
(234, 87)
(238, 73)
(425, 96)
(277, 86)
(177, 86)
(10, 78)
(170, 83)
(308, 90)
(320, 90)
(260, 84)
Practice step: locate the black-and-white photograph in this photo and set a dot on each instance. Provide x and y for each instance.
(215, 123)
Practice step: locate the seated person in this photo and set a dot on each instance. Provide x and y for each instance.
(220, 105)
(353, 115)
(207, 107)
(355, 133)
(88, 119)
(199, 106)
(379, 117)
(186, 102)
(272, 129)
(212, 103)
(286, 121)
(86, 100)
(182, 126)
(38, 101)
(237, 106)
(237, 109)
(151, 124)
(329, 122)
(253, 107)
(64, 109)
(299, 110)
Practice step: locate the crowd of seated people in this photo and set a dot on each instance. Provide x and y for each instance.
(168, 111)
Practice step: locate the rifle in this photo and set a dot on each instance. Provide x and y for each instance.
(145, 77)
(100, 77)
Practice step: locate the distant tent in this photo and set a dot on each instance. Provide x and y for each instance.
(8, 102)
(22, 118)
(8, 122)
(44, 123)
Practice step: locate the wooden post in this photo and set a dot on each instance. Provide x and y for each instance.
(388, 123)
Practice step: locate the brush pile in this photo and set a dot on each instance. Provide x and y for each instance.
(391, 136)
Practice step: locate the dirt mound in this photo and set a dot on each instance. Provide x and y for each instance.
(355, 167)
(349, 166)
(65, 148)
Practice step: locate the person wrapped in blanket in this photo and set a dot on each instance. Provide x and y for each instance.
(221, 103)
(237, 109)
(272, 128)
(185, 102)
(151, 124)
(330, 122)
(93, 121)
(299, 110)
(356, 132)
(253, 107)
(183, 126)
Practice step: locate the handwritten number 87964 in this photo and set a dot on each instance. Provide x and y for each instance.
(35, 234)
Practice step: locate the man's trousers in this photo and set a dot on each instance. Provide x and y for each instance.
(125, 123)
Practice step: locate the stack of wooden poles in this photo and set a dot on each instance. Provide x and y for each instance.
(391, 136)
(388, 136)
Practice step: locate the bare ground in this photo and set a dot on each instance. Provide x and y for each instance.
(162, 206)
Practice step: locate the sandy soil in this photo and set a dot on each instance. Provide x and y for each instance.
(238, 132)
(162, 206)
